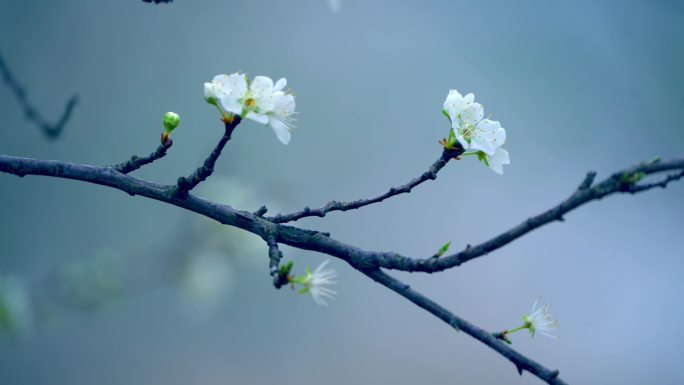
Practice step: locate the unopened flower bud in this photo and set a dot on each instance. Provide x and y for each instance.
(171, 121)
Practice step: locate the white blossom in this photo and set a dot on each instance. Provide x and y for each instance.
(472, 130)
(541, 320)
(317, 283)
(259, 100)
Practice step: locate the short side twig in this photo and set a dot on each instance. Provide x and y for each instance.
(184, 185)
(136, 162)
(51, 131)
(430, 174)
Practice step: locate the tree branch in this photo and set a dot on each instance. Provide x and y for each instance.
(619, 182)
(365, 261)
(136, 162)
(184, 185)
(520, 361)
(51, 131)
(430, 174)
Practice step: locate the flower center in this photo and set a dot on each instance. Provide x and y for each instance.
(467, 129)
(249, 103)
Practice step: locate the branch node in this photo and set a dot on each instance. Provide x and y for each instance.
(261, 211)
(588, 180)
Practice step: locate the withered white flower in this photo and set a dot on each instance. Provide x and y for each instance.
(317, 283)
(541, 320)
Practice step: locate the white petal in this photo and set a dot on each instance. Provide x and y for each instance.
(209, 91)
(283, 134)
(237, 85)
(472, 113)
(478, 143)
(280, 84)
(461, 139)
(453, 104)
(491, 130)
(259, 118)
(497, 168)
(283, 105)
(500, 157)
(231, 104)
(261, 87)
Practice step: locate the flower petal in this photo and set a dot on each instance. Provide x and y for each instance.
(283, 104)
(280, 84)
(261, 87)
(257, 117)
(231, 104)
(283, 134)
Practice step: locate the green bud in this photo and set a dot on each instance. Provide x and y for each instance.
(212, 100)
(483, 157)
(286, 268)
(445, 113)
(443, 249)
(171, 120)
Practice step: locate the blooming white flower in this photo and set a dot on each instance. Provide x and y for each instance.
(472, 130)
(541, 320)
(261, 100)
(316, 284)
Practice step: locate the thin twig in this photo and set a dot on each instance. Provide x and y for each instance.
(136, 162)
(184, 185)
(51, 131)
(430, 174)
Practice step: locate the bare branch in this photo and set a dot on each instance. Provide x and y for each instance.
(490, 339)
(365, 261)
(430, 174)
(184, 184)
(136, 162)
(51, 131)
(620, 182)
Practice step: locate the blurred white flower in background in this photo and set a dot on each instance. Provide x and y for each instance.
(335, 5)
(207, 279)
(16, 311)
(261, 100)
(94, 282)
(238, 245)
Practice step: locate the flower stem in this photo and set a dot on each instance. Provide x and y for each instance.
(521, 327)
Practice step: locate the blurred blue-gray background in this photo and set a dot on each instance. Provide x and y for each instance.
(124, 290)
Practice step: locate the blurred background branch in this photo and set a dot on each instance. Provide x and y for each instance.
(51, 131)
